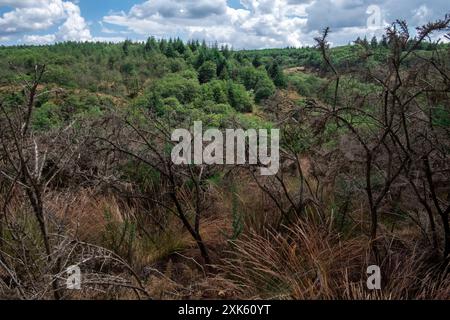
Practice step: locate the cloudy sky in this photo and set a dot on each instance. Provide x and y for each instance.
(240, 23)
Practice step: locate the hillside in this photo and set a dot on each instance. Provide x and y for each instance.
(87, 178)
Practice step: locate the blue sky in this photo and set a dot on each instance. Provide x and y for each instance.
(240, 23)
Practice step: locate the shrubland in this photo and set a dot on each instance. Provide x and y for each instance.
(86, 176)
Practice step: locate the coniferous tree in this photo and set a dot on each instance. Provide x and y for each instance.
(374, 42)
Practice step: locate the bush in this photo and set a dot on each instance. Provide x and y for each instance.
(239, 98)
(60, 76)
(215, 91)
(264, 89)
(46, 117)
(305, 84)
(175, 85)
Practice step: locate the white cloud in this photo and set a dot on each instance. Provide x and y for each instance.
(108, 39)
(30, 15)
(39, 15)
(74, 28)
(36, 39)
(262, 23)
(269, 23)
(257, 24)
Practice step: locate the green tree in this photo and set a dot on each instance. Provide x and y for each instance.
(374, 42)
(207, 72)
(276, 73)
(257, 61)
(216, 91)
(180, 85)
(239, 98)
(126, 47)
(151, 45)
(264, 89)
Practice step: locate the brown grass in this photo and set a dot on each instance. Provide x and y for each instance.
(309, 261)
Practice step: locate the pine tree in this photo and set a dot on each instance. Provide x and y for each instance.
(257, 61)
(384, 41)
(126, 47)
(276, 73)
(374, 42)
(151, 45)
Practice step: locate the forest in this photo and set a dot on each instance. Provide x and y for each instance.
(87, 180)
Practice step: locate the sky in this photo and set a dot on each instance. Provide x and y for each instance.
(242, 24)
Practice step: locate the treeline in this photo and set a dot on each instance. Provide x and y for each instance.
(84, 65)
(162, 75)
(173, 77)
(346, 57)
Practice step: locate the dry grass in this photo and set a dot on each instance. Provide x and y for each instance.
(307, 260)
(83, 212)
(310, 261)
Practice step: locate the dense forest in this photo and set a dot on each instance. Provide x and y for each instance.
(86, 177)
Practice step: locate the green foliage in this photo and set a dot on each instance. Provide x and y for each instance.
(306, 85)
(13, 99)
(151, 45)
(170, 77)
(250, 121)
(257, 80)
(249, 76)
(144, 176)
(441, 116)
(46, 117)
(221, 109)
(276, 73)
(298, 138)
(351, 84)
(120, 237)
(239, 98)
(264, 88)
(207, 72)
(58, 74)
(216, 91)
(179, 85)
(126, 47)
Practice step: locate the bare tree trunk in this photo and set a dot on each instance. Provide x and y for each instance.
(36, 203)
(196, 235)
